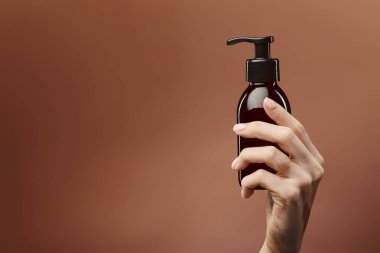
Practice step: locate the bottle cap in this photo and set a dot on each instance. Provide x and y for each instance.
(262, 68)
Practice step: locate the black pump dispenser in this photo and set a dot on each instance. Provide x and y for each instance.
(262, 68)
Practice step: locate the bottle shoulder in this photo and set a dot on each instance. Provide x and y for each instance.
(254, 95)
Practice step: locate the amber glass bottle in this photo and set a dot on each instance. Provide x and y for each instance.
(262, 74)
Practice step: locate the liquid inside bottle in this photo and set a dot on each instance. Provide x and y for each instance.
(250, 108)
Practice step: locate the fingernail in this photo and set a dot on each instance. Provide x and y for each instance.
(270, 103)
(239, 127)
(234, 163)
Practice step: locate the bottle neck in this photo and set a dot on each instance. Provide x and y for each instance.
(263, 84)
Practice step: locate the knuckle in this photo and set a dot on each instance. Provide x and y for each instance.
(292, 195)
(272, 152)
(244, 154)
(287, 134)
(305, 183)
(299, 129)
(259, 174)
(319, 172)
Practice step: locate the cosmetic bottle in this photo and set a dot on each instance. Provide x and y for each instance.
(262, 75)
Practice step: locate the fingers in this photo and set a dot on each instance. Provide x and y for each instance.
(283, 188)
(264, 179)
(269, 155)
(283, 118)
(283, 136)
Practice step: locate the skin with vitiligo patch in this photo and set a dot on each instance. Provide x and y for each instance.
(298, 168)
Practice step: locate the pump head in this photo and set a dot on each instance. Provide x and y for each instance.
(262, 68)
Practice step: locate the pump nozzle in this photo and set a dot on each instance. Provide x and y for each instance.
(262, 44)
(262, 68)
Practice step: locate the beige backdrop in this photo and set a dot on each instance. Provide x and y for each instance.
(116, 122)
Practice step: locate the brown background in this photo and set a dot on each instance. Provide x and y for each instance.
(116, 121)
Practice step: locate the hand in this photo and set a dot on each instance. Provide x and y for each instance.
(292, 189)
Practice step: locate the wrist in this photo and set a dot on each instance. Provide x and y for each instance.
(272, 247)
